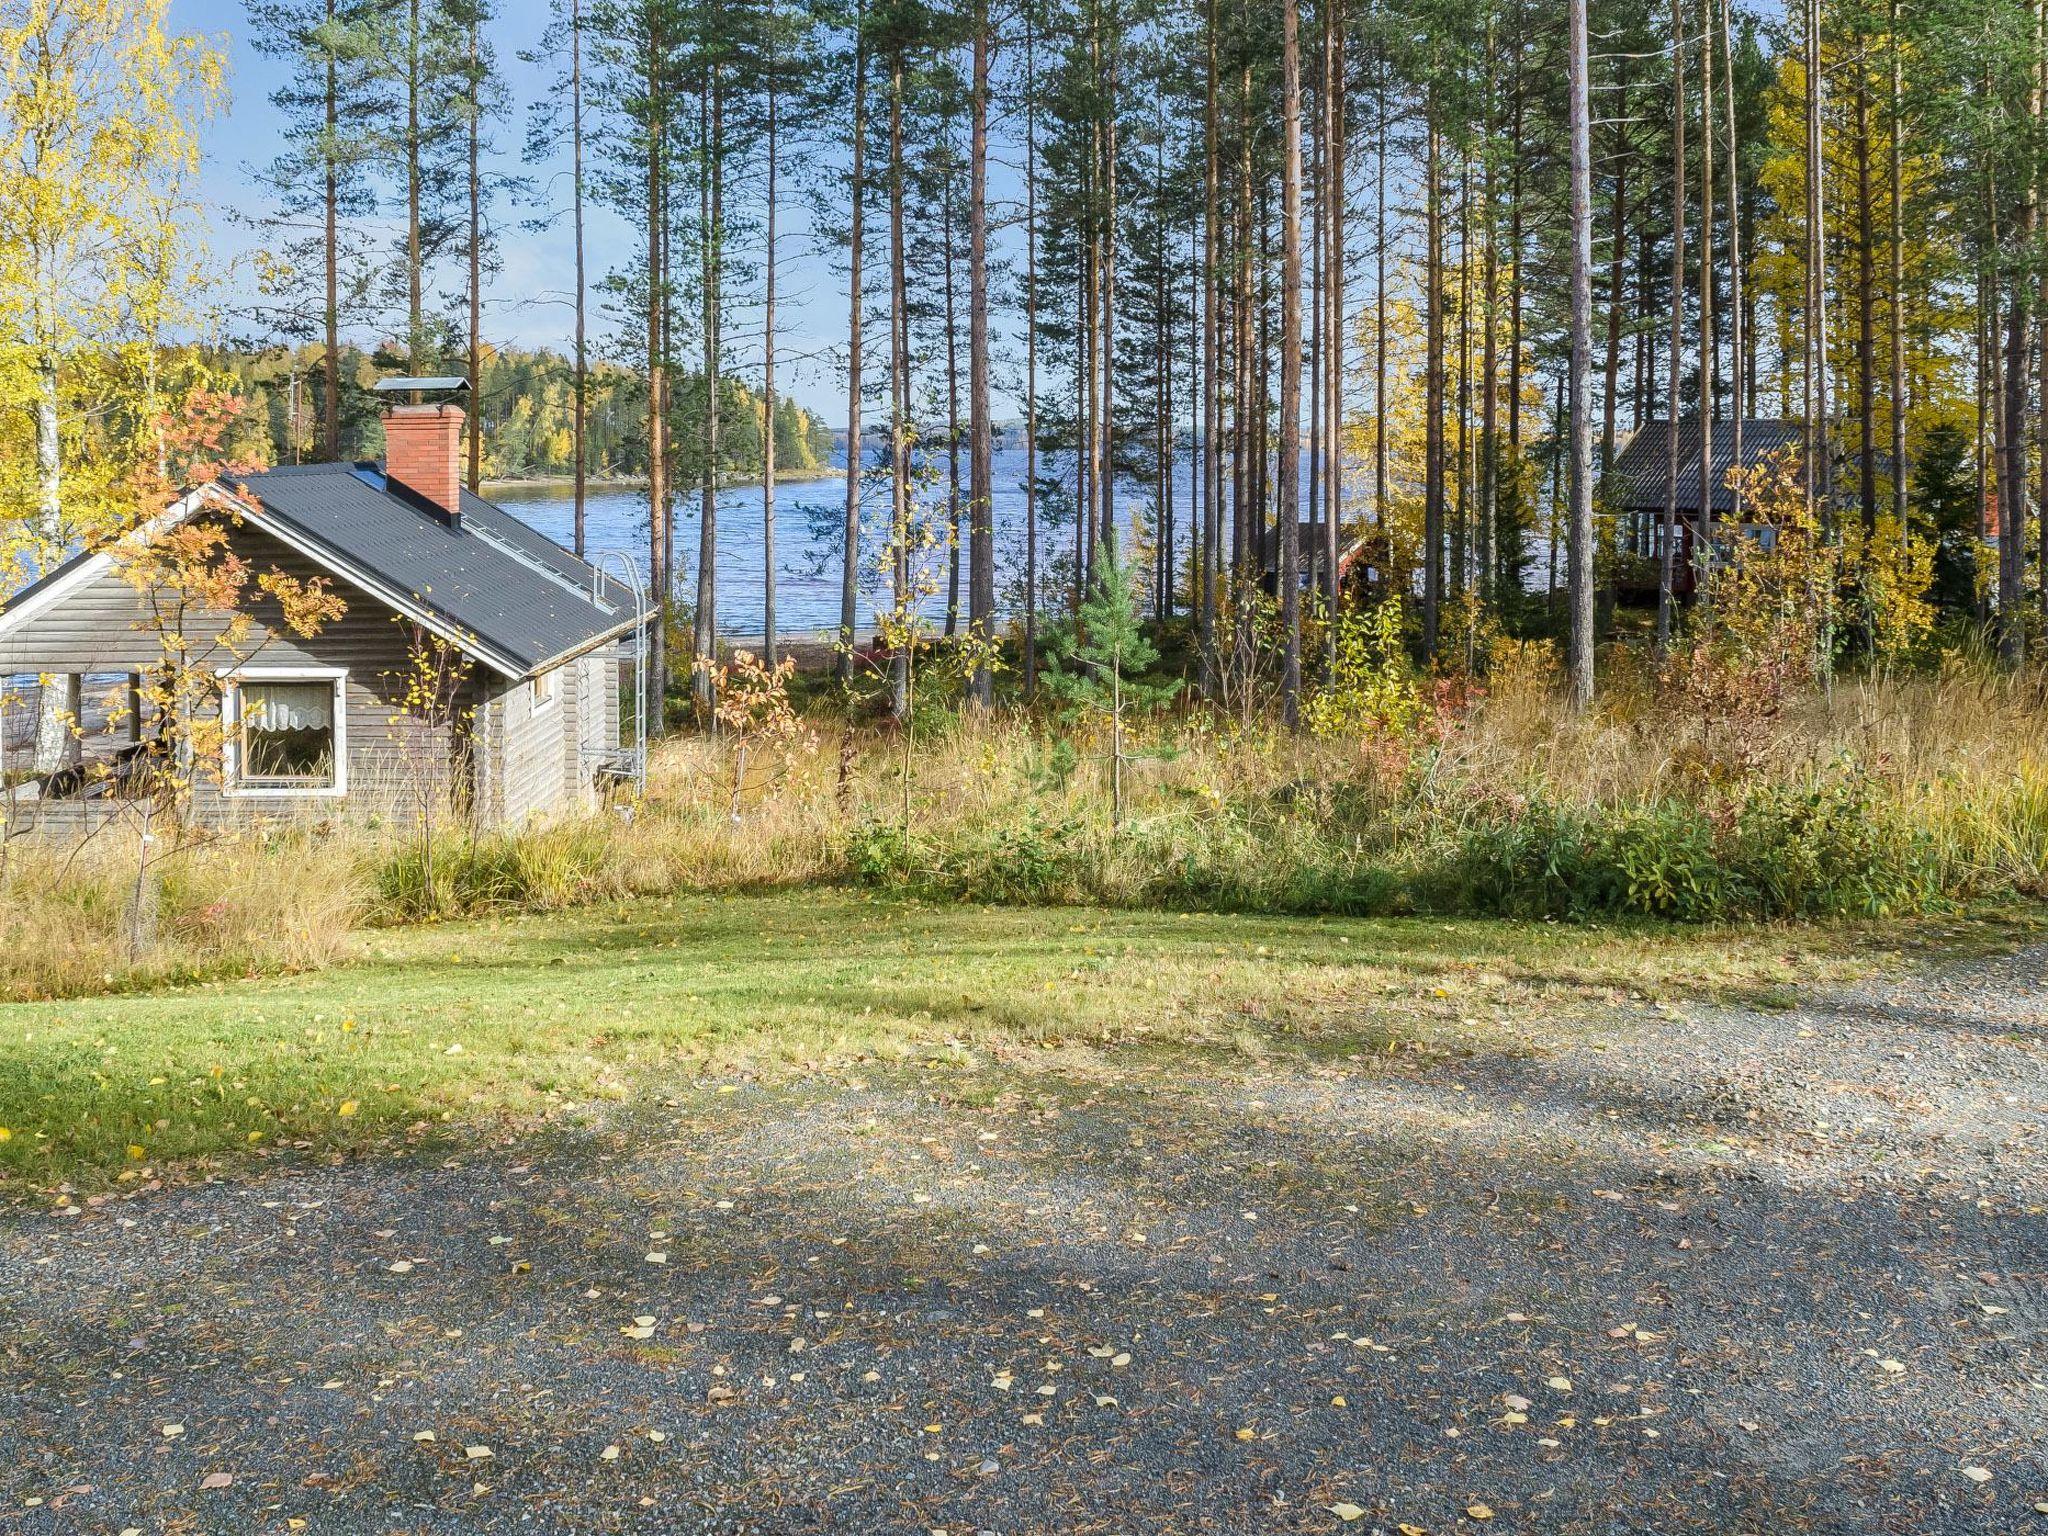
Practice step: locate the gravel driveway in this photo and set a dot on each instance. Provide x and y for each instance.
(1733, 1271)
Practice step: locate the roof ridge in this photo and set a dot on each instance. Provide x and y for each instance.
(477, 530)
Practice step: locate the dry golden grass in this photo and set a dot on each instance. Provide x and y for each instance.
(220, 907)
(1219, 817)
(1962, 722)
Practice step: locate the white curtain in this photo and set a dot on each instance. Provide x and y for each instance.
(287, 706)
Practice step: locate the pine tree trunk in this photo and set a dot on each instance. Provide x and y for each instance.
(1212, 416)
(1244, 444)
(2013, 477)
(415, 321)
(849, 550)
(1897, 178)
(1820, 475)
(2040, 94)
(473, 84)
(1031, 357)
(1703, 549)
(704, 659)
(1461, 527)
(1289, 510)
(952, 398)
(1315, 239)
(1333, 320)
(330, 406)
(655, 703)
(1515, 251)
(1379, 301)
(1667, 547)
(1162, 361)
(1106, 280)
(981, 584)
(1088, 464)
(1433, 387)
(580, 421)
(1489, 392)
(1581, 453)
(1866, 312)
(1263, 502)
(1737, 322)
(768, 383)
(899, 408)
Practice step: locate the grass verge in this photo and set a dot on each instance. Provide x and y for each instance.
(519, 1023)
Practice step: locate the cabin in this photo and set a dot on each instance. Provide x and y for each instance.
(473, 659)
(1358, 560)
(1635, 486)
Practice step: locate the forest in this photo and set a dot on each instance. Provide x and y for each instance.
(1358, 565)
(1310, 258)
(1419, 268)
(524, 406)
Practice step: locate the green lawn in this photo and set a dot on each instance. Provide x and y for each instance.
(532, 1021)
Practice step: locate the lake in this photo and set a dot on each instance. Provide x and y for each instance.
(808, 518)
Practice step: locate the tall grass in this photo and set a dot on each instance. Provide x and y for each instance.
(1879, 797)
(217, 908)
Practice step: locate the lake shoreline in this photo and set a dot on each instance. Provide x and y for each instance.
(639, 482)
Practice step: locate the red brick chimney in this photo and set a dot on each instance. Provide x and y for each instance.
(423, 452)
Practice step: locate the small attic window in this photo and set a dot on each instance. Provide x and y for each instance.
(543, 689)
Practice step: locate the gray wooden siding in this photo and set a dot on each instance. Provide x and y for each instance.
(534, 749)
(513, 762)
(597, 695)
(105, 626)
(541, 763)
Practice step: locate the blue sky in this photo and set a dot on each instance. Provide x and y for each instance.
(526, 303)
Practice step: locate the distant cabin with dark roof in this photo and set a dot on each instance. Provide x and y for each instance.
(1636, 481)
(536, 643)
(1636, 485)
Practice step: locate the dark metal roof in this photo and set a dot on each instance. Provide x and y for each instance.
(487, 575)
(493, 521)
(1640, 473)
(1311, 546)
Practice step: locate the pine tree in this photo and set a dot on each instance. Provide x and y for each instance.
(418, 56)
(1097, 659)
(332, 109)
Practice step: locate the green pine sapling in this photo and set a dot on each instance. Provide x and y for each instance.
(1096, 661)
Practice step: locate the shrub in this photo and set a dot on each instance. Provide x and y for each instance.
(877, 852)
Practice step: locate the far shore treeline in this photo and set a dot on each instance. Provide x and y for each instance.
(525, 402)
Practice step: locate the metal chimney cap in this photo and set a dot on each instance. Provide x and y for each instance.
(454, 385)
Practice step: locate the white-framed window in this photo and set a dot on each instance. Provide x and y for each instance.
(543, 689)
(286, 731)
